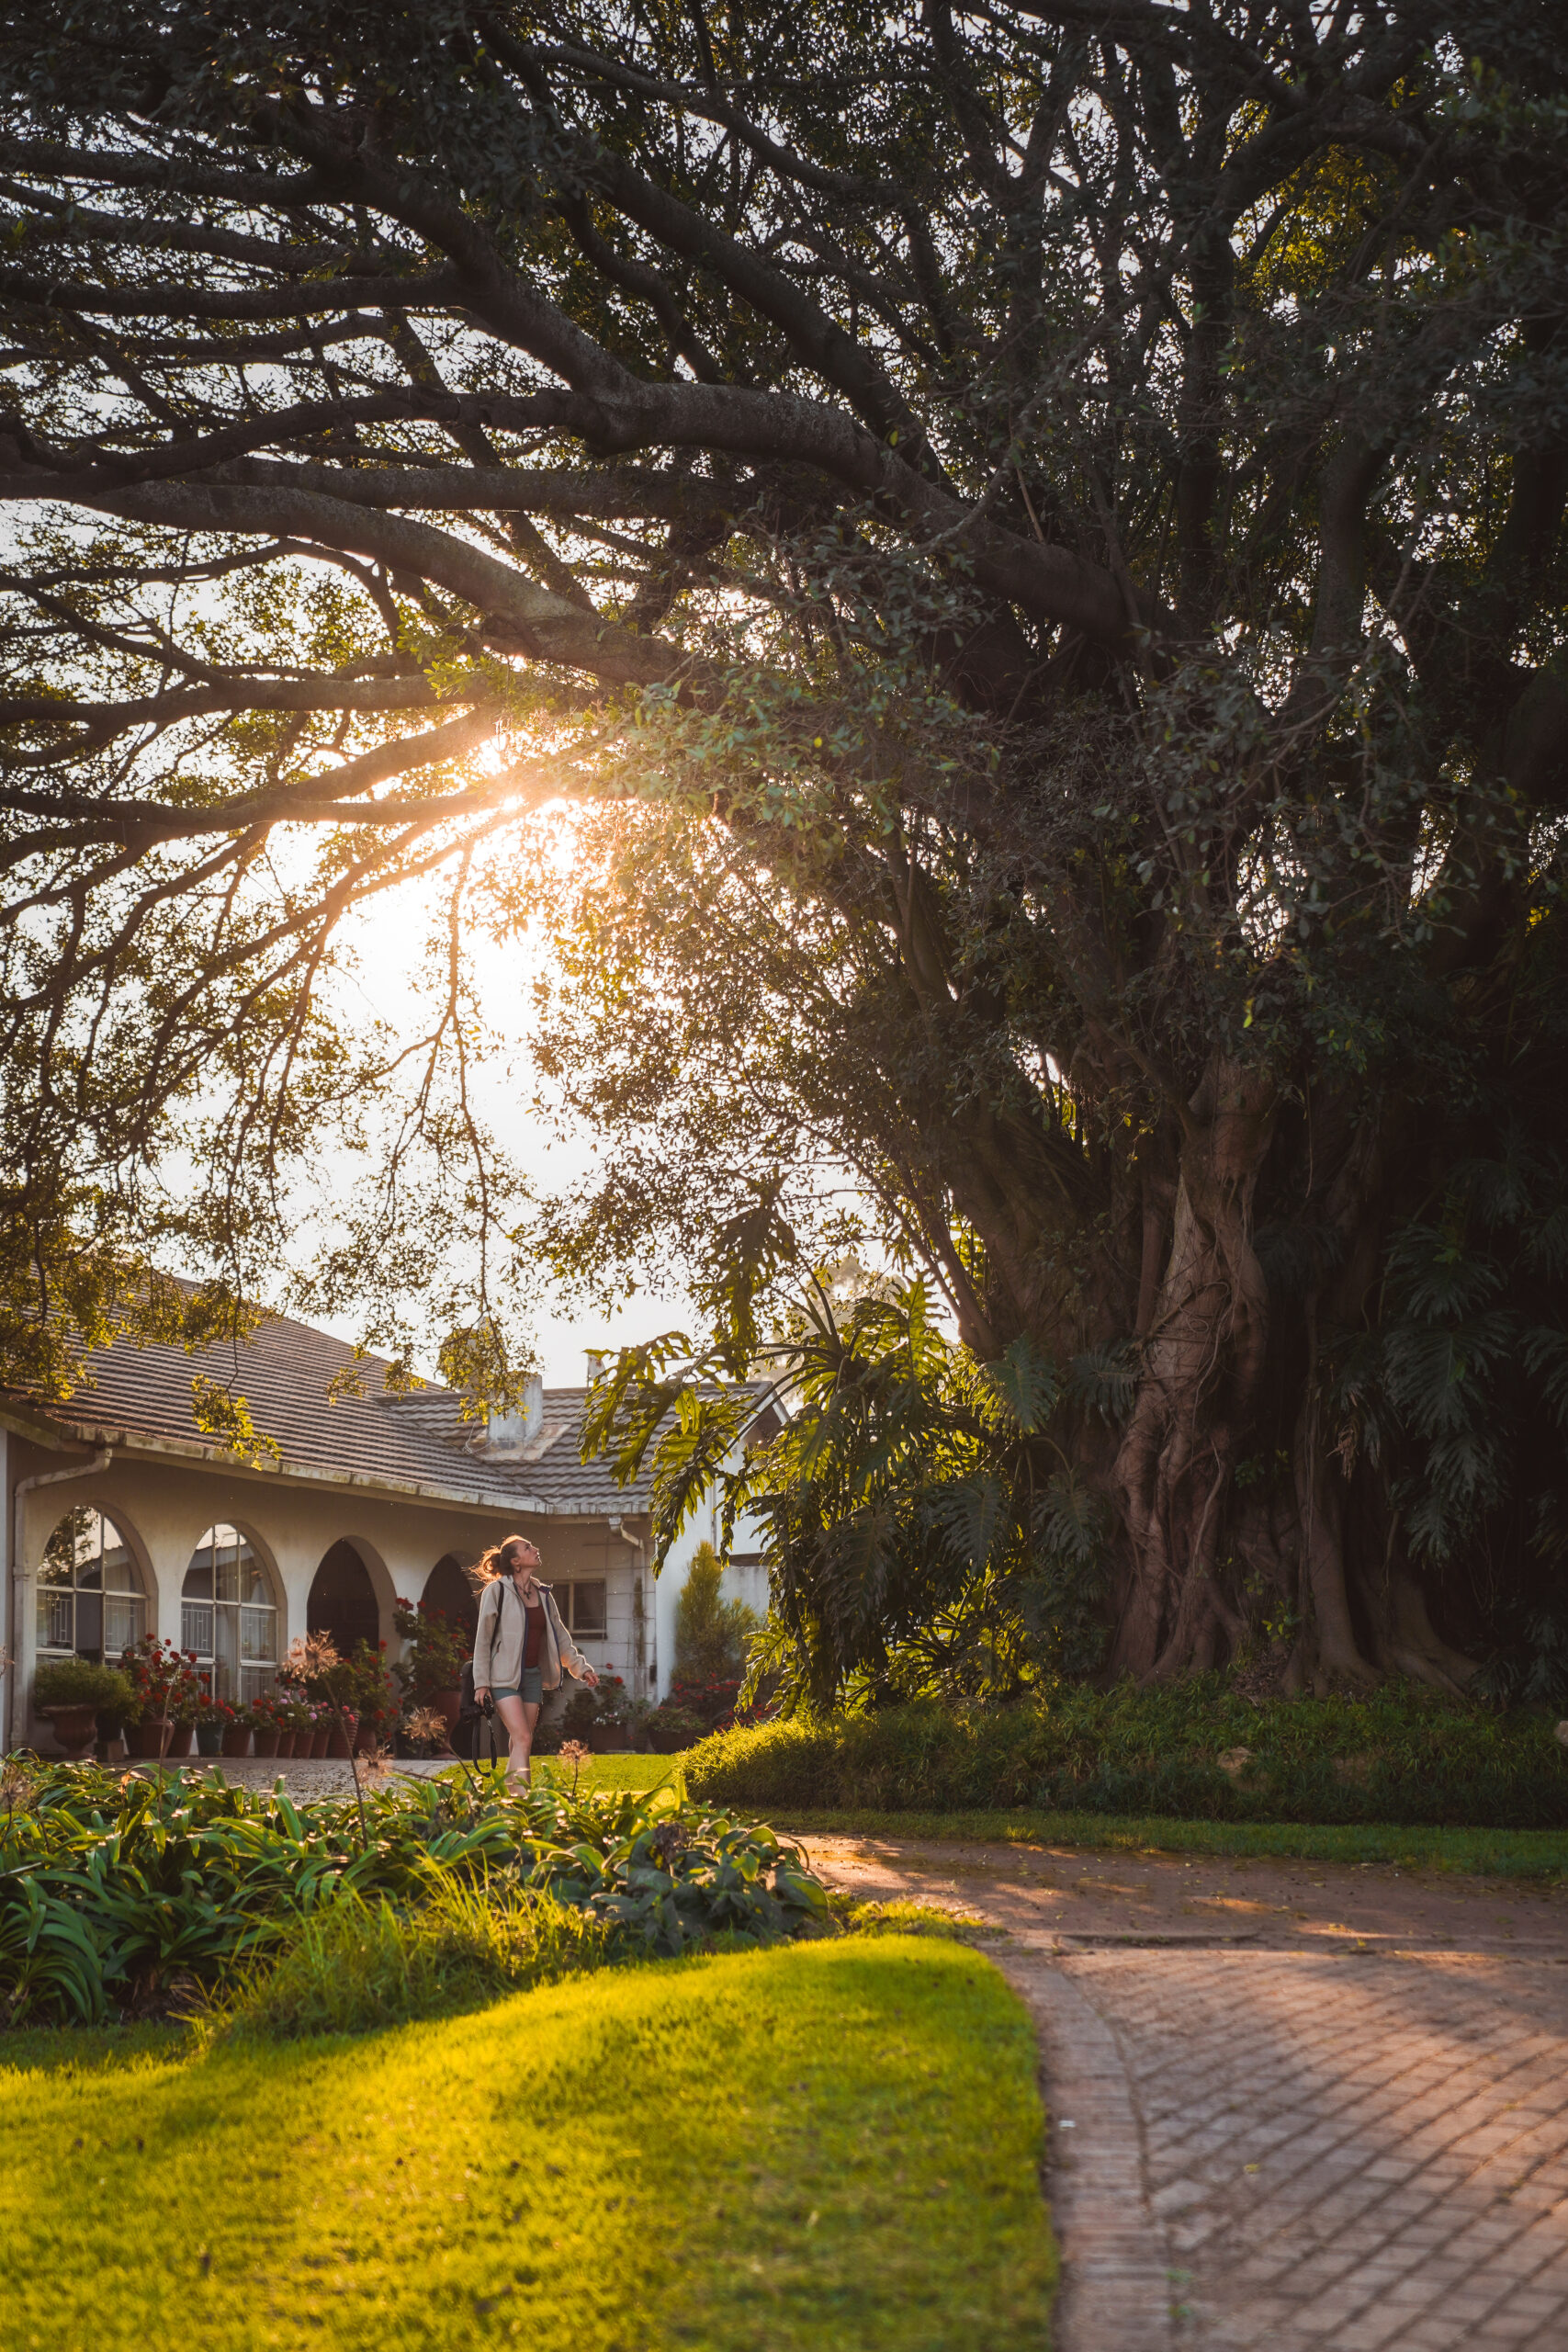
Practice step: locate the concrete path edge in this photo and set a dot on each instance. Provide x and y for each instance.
(1116, 2290)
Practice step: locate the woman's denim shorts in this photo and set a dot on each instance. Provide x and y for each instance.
(531, 1689)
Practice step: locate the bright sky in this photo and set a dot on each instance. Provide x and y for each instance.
(388, 938)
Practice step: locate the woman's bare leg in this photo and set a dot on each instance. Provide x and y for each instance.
(519, 1721)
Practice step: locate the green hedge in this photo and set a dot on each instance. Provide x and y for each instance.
(1405, 1756)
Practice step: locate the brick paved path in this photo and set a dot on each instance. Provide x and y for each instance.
(1283, 2147)
(1351, 2153)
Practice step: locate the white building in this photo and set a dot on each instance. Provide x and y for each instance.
(122, 1520)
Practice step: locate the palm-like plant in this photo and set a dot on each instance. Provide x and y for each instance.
(925, 1526)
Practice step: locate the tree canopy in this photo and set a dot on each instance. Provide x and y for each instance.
(1025, 543)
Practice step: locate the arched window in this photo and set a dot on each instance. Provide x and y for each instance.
(90, 1601)
(228, 1615)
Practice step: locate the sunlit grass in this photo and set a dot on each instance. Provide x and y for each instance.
(616, 1771)
(834, 2145)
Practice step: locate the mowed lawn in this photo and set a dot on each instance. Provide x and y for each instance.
(834, 2144)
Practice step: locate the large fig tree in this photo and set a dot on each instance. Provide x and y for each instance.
(1030, 536)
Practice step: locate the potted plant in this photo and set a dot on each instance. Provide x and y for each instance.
(673, 1727)
(435, 1651)
(72, 1691)
(373, 1696)
(331, 1683)
(600, 1718)
(265, 1731)
(236, 1730)
(163, 1684)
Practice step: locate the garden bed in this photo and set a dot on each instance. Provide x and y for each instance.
(829, 2148)
(119, 1893)
(1201, 1752)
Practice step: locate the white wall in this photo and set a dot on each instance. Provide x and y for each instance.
(747, 1584)
(163, 1506)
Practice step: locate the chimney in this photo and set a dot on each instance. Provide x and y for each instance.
(509, 1435)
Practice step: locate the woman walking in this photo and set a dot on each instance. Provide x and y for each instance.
(521, 1645)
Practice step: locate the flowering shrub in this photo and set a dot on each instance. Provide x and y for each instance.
(164, 1682)
(712, 1703)
(374, 1696)
(435, 1649)
(275, 1709)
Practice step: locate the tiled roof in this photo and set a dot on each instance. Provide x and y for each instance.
(413, 1440)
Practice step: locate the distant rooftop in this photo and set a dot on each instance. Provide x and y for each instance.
(416, 1441)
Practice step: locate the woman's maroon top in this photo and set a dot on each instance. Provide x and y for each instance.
(534, 1639)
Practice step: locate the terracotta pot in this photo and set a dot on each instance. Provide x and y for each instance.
(149, 1738)
(448, 1704)
(285, 1744)
(182, 1739)
(75, 1729)
(320, 1741)
(266, 1742)
(236, 1742)
(340, 1734)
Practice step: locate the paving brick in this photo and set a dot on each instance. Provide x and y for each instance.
(1338, 2154)
(1409, 2127)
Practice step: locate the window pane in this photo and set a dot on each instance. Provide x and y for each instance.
(588, 1614)
(253, 1587)
(227, 1560)
(59, 1553)
(89, 1625)
(56, 1621)
(226, 1643)
(120, 1571)
(196, 1627)
(123, 1617)
(254, 1680)
(198, 1578)
(258, 1635)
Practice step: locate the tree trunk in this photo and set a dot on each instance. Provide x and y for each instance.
(1205, 1352)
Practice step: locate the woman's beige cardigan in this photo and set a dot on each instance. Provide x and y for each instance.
(498, 1645)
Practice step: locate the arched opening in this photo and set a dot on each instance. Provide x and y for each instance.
(228, 1615)
(91, 1599)
(343, 1600)
(448, 1590)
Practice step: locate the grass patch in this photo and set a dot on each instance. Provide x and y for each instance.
(1200, 1751)
(829, 2145)
(642, 1773)
(354, 1965)
(1503, 1853)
